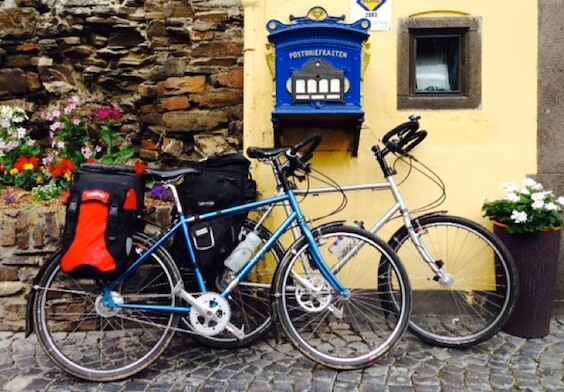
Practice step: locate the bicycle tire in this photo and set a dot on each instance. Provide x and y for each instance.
(483, 289)
(249, 302)
(97, 344)
(342, 333)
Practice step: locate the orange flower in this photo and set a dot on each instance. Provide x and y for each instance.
(140, 168)
(23, 163)
(62, 169)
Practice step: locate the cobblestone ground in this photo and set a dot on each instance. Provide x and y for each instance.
(503, 363)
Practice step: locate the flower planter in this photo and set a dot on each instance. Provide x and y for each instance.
(536, 257)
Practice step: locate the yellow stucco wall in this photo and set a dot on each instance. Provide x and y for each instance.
(472, 150)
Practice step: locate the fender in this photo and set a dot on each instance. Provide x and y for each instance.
(429, 214)
(31, 297)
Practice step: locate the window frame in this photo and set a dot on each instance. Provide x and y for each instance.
(469, 31)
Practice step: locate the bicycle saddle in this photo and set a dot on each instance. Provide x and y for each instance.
(265, 153)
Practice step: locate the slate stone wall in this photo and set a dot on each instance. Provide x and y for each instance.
(175, 66)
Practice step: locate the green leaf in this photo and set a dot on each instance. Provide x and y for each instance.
(124, 154)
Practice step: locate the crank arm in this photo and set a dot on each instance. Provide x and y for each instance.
(336, 312)
(237, 332)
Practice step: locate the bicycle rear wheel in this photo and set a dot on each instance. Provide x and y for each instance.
(342, 332)
(97, 343)
(249, 302)
(480, 290)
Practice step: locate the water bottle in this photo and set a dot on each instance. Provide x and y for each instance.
(243, 252)
(341, 246)
(344, 244)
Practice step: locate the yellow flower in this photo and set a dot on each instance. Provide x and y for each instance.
(68, 176)
(28, 167)
(14, 171)
(39, 180)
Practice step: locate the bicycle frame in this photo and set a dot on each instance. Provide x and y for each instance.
(183, 223)
(398, 207)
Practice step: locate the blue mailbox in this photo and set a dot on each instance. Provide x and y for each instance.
(317, 64)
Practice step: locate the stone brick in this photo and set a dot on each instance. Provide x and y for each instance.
(10, 288)
(156, 27)
(13, 81)
(27, 47)
(183, 85)
(218, 49)
(172, 146)
(150, 155)
(18, 22)
(8, 273)
(178, 9)
(18, 61)
(201, 35)
(146, 90)
(127, 38)
(153, 6)
(209, 145)
(174, 66)
(57, 79)
(213, 16)
(194, 121)
(175, 103)
(232, 78)
(22, 233)
(218, 98)
(163, 215)
(8, 237)
(37, 236)
(53, 225)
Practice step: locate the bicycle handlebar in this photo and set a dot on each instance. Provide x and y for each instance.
(311, 142)
(405, 137)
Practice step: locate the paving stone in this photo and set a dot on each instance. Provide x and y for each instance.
(501, 364)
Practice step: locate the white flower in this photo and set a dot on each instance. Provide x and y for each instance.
(551, 207)
(524, 191)
(540, 196)
(509, 187)
(5, 123)
(538, 205)
(519, 217)
(560, 200)
(61, 145)
(529, 182)
(537, 187)
(6, 112)
(20, 133)
(511, 196)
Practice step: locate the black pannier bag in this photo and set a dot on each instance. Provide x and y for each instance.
(222, 181)
(103, 206)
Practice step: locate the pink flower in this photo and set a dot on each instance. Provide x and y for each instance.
(116, 113)
(103, 113)
(47, 160)
(56, 125)
(75, 121)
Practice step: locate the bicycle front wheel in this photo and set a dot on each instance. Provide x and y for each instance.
(478, 293)
(342, 332)
(94, 342)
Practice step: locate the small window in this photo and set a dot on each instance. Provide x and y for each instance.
(439, 63)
